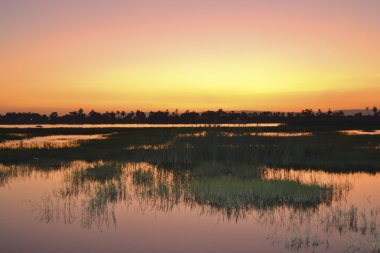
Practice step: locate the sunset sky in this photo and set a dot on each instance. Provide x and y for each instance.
(199, 54)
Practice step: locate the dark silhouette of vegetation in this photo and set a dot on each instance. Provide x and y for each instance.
(307, 116)
(186, 148)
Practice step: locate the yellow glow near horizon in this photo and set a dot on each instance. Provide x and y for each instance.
(190, 56)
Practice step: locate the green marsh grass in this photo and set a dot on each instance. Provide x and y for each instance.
(230, 192)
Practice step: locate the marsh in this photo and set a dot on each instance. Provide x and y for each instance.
(224, 188)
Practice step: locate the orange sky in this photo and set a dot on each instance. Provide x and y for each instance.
(151, 55)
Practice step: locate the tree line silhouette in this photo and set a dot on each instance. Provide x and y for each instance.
(191, 117)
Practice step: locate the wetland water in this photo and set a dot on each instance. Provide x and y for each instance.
(140, 125)
(186, 190)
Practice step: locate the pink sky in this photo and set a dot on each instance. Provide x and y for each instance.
(150, 55)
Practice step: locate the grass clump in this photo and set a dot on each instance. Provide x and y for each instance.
(230, 192)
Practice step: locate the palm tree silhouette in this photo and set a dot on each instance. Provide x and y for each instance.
(374, 109)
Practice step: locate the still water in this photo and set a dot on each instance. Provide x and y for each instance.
(139, 125)
(50, 141)
(60, 208)
(361, 132)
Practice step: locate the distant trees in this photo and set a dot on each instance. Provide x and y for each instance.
(187, 117)
(53, 117)
(367, 109)
(374, 110)
(139, 117)
(24, 118)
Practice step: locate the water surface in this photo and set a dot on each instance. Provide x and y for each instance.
(189, 190)
(47, 209)
(361, 132)
(139, 125)
(49, 142)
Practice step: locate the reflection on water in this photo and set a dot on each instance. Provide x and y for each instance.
(196, 134)
(142, 125)
(311, 229)
(144, 187)
(5, 174)
(274, 134)
(50, 142)
(298, 210)
(361, 132)
(268, 134)
(20, 135)
(161, 189)
(148, 147)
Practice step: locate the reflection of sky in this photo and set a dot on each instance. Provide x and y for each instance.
(109, 54)
(143, 228)
(51, 141)
(360, 132)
